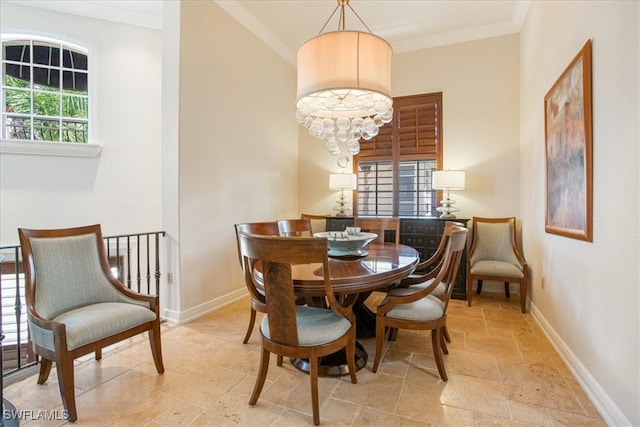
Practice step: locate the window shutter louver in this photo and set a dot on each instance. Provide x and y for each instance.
(415, 127)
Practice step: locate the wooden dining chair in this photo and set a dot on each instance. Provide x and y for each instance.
(268, 228)
(383, 227)
(420, 310)
(290, 330)
(318, 222)
(426, 272)
(494, 255)
(295, 227)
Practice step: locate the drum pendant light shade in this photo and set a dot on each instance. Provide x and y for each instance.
(344, 60)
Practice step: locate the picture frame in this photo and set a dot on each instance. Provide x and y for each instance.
(569, 151)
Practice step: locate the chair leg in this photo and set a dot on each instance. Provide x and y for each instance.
(445, 333)
(252, 321)
(99, 354)
(156, 346)
(313, 374)
(443, 343)
(523, 296)
(45, 369)
(506, 290)
(435, 340)
(280, 359)
(469, 289)
(351, 359)
(479, 289)
(379, 339)
(262, 375)
(64, 368)
(393, 334)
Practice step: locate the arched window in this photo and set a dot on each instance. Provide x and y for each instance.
(45, 90)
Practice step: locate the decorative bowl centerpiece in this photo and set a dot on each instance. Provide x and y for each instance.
(343, 244)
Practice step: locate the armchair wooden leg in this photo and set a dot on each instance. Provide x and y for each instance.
(435, 340)
(445, 333)
(313, 374)
(156, 347)
(479, 289)
(351, 359)
(262, 375)
(99, 354)
(252, 321)
(66, 384)
(469, 290)
(45, 369)
(379, 340)
(393, 334)
(523, 297)
(506, 290)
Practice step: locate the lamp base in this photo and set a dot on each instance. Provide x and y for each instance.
(341, 207)
(447, 209)
(446, 215)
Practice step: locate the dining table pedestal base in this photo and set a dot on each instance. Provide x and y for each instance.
(334, 365)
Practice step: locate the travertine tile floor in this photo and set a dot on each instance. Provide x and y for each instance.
(502, 371)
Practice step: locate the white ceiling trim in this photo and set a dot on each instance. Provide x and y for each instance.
(139, 13)
(251, 23)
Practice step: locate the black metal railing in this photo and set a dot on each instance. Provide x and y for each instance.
(46, 129)
(134, 260)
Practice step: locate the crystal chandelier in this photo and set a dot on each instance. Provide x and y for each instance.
(344, 85)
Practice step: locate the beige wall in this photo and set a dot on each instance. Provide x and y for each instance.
(590, 304)
(479, 81)
(238, 149)
(43, 191)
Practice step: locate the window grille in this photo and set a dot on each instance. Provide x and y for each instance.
(45, 91)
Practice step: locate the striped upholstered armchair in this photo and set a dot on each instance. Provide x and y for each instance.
(75, 306)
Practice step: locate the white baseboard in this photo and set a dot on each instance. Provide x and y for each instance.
(180, 317)
(600, 399)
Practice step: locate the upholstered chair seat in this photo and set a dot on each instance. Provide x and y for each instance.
(316, 326)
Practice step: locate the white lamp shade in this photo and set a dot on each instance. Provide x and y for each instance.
(344, 60)
(342, 181)
(448, 180)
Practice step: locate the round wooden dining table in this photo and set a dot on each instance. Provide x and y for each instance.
(380, 266)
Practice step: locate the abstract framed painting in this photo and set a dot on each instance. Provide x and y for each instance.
(569, 151)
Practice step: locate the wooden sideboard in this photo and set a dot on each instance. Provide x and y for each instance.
(423, 234)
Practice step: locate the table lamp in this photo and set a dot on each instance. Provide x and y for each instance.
(342, 181)
(447, 180)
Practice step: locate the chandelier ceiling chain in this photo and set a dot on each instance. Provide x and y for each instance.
(344, 85)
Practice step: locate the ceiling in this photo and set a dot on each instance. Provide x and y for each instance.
(285, 24)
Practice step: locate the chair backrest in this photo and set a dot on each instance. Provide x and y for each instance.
(442, 245)
(451, 260)
(295, 227)
(380, 226)
(266, 228)
(318, 222)
(494, 239)
(275, 256)
(66, 269)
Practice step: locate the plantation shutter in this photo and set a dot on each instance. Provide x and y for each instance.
(416, 128)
